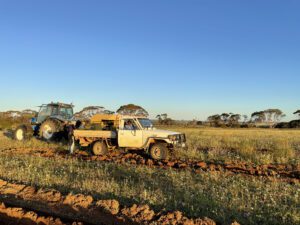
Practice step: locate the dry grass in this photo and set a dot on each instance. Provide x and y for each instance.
(260, 146)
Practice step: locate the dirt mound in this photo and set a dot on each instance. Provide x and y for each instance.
(13, 216)
(79, 207)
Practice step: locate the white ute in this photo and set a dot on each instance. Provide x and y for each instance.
(111, 132)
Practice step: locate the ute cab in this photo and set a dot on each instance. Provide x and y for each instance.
(129, 132)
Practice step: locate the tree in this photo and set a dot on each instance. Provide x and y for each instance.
(273, 115)
(214, 120)
(164, 116)
(133, 110)
(159, 118)
(297, 112)
(225, 117)
(234, 119)
(245, 118)
(163, 119)
(258, 117)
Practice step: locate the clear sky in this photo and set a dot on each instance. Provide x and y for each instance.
(188, 58)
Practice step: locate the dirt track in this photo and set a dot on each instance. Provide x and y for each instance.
(78, 207)
(284, 172)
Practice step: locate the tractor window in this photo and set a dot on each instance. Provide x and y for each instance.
(45, 111)
(55, 111)
(66, 113)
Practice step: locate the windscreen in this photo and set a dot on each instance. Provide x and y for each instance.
(146, 123)
(66, 113)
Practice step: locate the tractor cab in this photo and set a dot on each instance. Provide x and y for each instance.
(55, 110)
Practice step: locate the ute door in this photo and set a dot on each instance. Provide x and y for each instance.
(130, 137)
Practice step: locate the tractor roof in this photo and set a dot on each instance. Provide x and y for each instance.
(59, 104)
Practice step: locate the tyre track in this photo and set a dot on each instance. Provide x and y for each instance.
(80, 207)
(283, 172)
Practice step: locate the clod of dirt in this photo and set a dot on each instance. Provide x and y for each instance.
(139, 214)
(235, 223)
(202, 165)
(49, 195)
(2, 183)
(20, 216)
(176, 218)
(111, 206)
(12, 189)
(27, 193)
(78, 201)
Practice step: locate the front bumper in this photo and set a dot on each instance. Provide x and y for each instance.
(181, 145)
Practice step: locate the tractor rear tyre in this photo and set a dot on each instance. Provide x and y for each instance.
(159, 151)
(100, 148)
(49, 130)
(21, 133)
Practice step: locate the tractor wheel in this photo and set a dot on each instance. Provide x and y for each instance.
(20, 133)
(100, 148)
(50, 129)
(159, 151)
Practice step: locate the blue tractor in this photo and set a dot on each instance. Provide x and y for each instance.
(53, 122)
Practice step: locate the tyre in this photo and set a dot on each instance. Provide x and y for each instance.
(50, 129)
(99, 148)
(159, 151)
(20, 133)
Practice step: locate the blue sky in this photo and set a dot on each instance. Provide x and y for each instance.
(189, 59)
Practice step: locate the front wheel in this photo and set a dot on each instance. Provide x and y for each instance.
(159, 151)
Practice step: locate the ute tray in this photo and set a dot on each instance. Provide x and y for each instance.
(105, 134)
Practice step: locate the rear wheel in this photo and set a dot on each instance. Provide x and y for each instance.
(100, 148)
(50, 129)
(20, 133)
(159, 151)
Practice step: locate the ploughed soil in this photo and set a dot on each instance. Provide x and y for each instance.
(29, 205)
(16, 215)
(284, 172)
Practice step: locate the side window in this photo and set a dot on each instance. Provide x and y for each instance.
(55, 111)
(129, 125)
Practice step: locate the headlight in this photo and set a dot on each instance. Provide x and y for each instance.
(172, 137)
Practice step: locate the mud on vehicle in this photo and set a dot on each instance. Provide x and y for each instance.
(52, 122)
(113, 132)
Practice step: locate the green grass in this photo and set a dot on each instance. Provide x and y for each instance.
(224, 198)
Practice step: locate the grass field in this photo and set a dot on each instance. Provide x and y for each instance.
(220, 196)
(259, 146)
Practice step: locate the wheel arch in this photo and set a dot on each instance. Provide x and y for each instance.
(152, 141)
